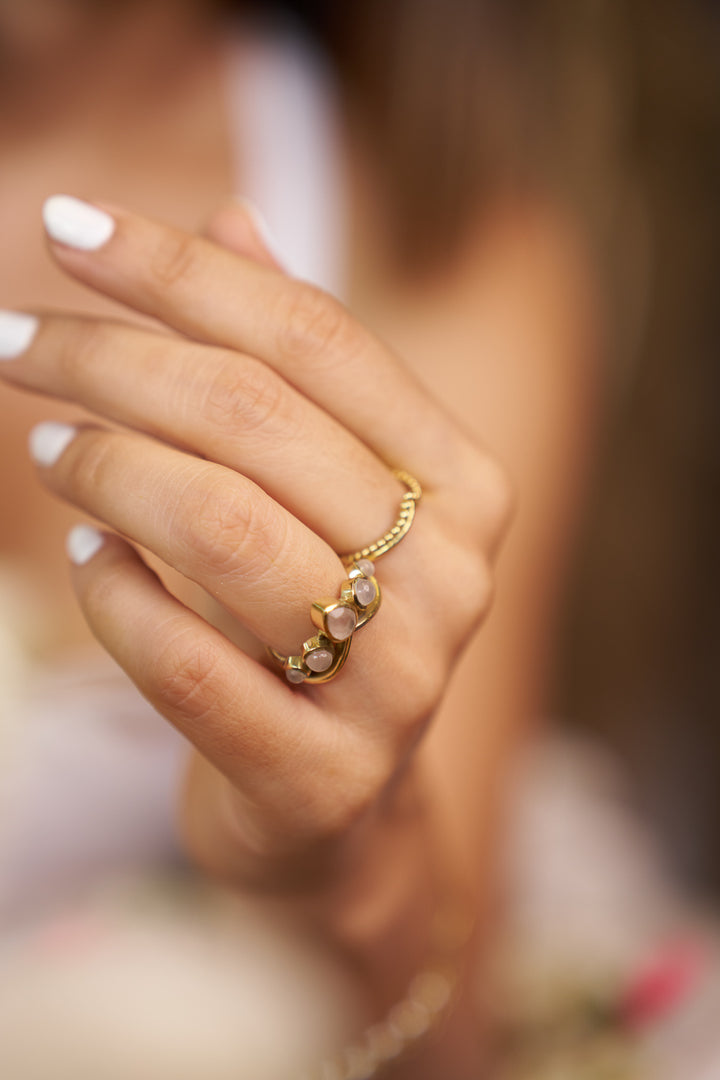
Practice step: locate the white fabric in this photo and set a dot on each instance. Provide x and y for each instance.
(282, 102)
(89, 786)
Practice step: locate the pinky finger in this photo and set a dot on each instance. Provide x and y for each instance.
(230, 707)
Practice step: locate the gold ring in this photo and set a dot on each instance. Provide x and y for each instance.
(336, 620)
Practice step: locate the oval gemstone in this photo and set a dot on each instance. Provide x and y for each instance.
(364, 591)
(366, 567)
(318, 659)
(340, 623)
(294, 675)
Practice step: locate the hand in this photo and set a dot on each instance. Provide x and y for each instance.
(258, 430)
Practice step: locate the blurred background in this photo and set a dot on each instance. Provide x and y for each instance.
(613, 110)
(640, 659)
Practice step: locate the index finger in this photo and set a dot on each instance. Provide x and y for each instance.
(221, 298)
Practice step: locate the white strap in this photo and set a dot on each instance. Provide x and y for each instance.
(285, 130)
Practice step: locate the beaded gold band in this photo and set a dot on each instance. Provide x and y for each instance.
(324, 654)
(393, 536)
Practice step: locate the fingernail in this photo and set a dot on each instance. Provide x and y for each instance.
(16, 333)
(262, 228)
(48, 441)
(83, 541)
(77, 224)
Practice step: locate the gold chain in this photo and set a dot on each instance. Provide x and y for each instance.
(429, 998)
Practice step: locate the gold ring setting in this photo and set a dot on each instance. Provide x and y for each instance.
(324, 654)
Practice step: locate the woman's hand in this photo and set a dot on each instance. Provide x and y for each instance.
(258, 427)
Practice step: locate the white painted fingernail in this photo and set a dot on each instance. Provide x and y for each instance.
(83, 541)
(263, 229)
(48, 441)
(77, 224)
(16, 333)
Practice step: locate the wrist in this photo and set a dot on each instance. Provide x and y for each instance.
(372, 891)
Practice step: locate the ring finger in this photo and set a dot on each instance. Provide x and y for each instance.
(214, 525)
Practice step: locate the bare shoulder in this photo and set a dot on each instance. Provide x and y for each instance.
(508, 333)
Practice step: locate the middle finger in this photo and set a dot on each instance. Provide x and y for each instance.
(223, 405)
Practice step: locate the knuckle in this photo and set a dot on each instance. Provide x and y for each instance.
(263, 542)
(488, 503)
(341, 814)
(81, 346)
(424, 683)
(185, 676)
(217, 521)
(245, 395)
(230, 532)
(499, 499)
(415, 678)
(174, 259)
(334, 810)
(313, 325)
(472, 590)
(90, 469)
(478, 590)
(100, 592)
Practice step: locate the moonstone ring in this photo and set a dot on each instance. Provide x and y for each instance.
(336, 620)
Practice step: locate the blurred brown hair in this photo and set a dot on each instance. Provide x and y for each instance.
(462, 100)
(611, 110)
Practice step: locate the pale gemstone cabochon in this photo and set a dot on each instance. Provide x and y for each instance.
(319, 659)
(341, 622)
(364, 591)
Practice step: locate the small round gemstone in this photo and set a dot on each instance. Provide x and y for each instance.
(318, 659)
(340, 623)
(364, 591)
(366, 567)
(295, 675)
